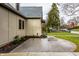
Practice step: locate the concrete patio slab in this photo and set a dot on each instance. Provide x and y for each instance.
(39, 54)
(76, 53)
(45, 45)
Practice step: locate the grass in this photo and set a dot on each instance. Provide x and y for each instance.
(75, 29)
(67, 36)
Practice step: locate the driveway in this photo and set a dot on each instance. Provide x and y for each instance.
(49, 44)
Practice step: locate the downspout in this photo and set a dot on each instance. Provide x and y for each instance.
(41, 21)
(8, 25)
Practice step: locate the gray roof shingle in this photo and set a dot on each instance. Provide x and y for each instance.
(31, 11)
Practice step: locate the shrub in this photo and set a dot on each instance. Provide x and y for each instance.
(17, 40)
(43, 36)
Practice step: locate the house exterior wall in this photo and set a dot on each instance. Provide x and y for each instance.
(20, 32)
(32, 27)
(9, 26)
(3, 26)
(78, 24)
(12, 26)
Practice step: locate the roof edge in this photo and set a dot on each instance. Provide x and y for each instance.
(12, 10)
(34, 17)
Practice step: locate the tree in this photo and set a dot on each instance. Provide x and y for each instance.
(62, 22)
(70, 9)
(53, 17)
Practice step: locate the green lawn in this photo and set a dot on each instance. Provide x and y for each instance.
(75, 29)
(67, 36)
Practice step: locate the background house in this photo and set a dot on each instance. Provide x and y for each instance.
(34, 20)
(72, 23)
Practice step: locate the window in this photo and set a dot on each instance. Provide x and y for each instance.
(19, 24)
(22, 24)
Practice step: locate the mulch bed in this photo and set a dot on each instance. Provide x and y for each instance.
(7, 48)
(10, 46)
(42, 36)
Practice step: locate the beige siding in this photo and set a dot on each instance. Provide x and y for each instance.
(9, 23)
(12, 26)
(3, 26)
(33, 26)
(20, 32)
